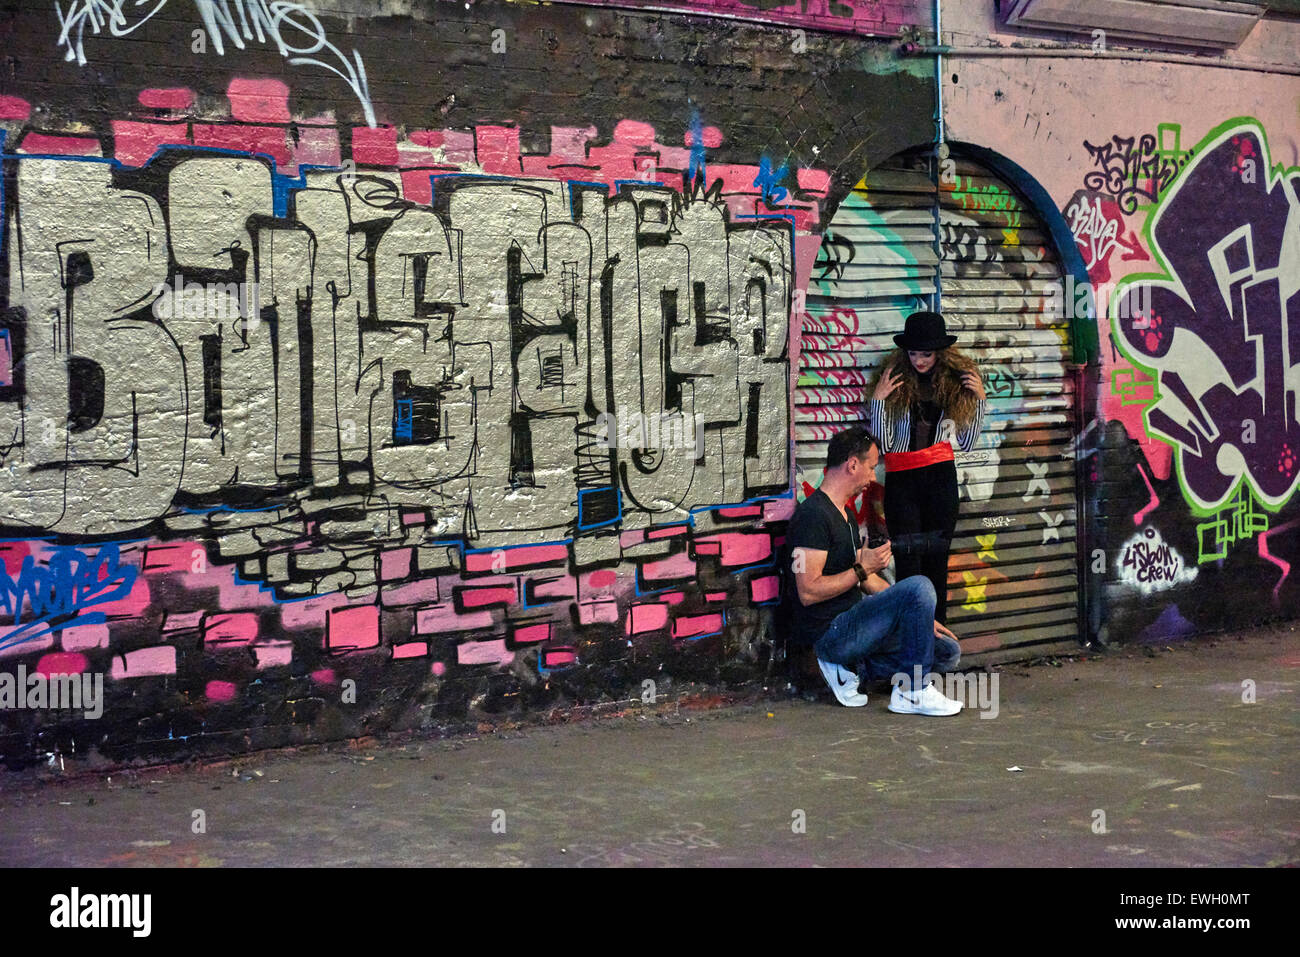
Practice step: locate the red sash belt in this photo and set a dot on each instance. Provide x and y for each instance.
(902, 461)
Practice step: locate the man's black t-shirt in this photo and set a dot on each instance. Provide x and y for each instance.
(819, 525)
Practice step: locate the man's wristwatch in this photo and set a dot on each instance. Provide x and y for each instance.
(860, 572)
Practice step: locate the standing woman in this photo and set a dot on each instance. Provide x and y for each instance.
(928, 399)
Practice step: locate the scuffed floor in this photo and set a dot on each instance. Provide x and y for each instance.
(1159, 741)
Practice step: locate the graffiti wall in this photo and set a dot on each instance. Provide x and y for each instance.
(1206, 333)
(332, 403)
(878, 17)
(1183, 214)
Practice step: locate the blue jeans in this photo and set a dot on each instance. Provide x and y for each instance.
(889, 632)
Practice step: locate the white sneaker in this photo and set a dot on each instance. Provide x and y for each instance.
(929, 700)
(844, 683)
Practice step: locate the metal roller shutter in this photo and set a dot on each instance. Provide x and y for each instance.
(1013, 573)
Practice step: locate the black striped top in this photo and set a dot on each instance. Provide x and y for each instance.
(894, 427)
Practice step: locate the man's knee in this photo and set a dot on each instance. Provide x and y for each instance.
(921, 589)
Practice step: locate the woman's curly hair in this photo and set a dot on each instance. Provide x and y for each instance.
(957, 401)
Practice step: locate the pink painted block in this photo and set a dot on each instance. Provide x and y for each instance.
(134, 143)
(641, 618)
(6, 360)
(667, 532)
(325, 676)
(592, 612)
(743, 511)
(736, 177)
(413, 156)
(628, 539)
(426, 138)
(440, 618)
(564, 587)
(681, 565)
(778, 510)
(259, 101)
(318, 146)
(132, 605)
(497, 149)
(13, 554)
(570, 143)
(14, 108)
(411, 649)
(813, 180)
(479, 597)
(544, 166)
(24, 647)
(159, 660)
(83, 637)
(273, 654)
(352, 628)
(673, 597)
(416, 186)
(173, 557)
(167, 98)
(738, 548)
(529, 633)
(715, 596)
(525, 556)
(59, 145)
(415, 518)
(395, 563)
(374, 147)
(268, 140)
(59, 663)
(558, 657)
(438, 669)
(230, 630)
(484, 653)
(220, 691)
(458, 146)
(766, 588)
(182, 621)
(422, 591)
(310, 613)
(692, 625)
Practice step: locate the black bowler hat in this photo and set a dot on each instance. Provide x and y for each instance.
(924, 332)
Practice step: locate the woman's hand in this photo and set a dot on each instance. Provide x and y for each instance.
(890, 381)
(971, 380)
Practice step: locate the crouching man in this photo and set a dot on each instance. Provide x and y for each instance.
(857, 623)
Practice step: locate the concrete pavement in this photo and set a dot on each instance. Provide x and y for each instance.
(1145, 757)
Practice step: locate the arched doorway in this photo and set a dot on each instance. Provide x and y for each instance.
(912, 236)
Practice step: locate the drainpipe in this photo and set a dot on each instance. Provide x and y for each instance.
(940, 153)
(939, 50)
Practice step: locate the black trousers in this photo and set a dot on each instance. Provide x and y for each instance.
(921, 514)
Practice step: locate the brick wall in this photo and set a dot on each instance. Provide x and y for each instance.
(444, 376)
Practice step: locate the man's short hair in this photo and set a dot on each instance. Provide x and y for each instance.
(855, 442)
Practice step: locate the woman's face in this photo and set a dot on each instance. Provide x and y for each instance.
(922, 362)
